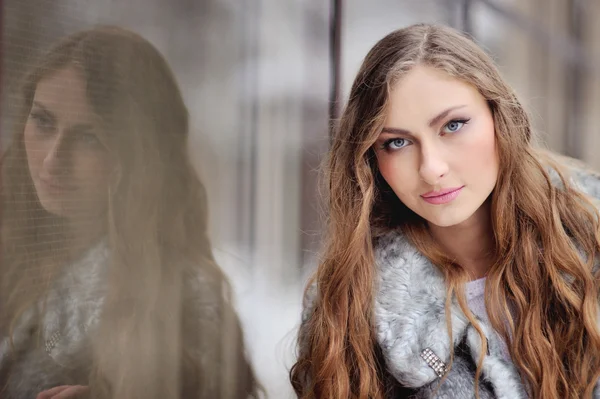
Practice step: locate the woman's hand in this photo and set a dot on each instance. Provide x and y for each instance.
(63, 392)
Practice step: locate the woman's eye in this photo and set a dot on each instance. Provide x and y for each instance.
(42, 122)
(395, 144)
(455, 125)
(89, 139)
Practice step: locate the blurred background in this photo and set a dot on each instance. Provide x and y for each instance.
(263, 79)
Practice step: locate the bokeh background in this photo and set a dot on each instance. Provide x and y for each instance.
(265, 79)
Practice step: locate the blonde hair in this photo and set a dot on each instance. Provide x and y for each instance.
(152, 335)
(540, 230)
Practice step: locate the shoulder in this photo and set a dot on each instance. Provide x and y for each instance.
(206, 313)
(395, 248)
(310, 299)
(205, 296)
(394, 257)
(203, 281)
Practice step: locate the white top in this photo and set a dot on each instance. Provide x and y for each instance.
(475, 293)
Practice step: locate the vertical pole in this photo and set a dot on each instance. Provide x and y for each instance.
(335, 51)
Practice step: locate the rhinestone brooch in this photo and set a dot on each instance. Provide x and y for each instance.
(434, 362)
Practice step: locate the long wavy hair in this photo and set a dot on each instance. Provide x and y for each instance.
(546, 239)
(151, 338)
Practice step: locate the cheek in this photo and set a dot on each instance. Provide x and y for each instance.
(94, 171)
(399, 172)
(480, 155)
(487, 146)
(34, 149)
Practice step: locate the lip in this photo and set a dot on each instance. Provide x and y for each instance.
(54, 186)
(442, 196)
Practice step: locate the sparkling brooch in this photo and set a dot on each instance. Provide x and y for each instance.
(434, 362)
(52, 341)
(57, 336)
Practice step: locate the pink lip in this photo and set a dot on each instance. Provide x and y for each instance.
(442, 196)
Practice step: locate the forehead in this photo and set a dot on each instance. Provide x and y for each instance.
(424, 91)
(63, 93)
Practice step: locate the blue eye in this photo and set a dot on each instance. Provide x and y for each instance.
(455, 125)
(395, 144)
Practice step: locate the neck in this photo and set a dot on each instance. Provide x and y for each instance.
(470, 243)
(82, 234)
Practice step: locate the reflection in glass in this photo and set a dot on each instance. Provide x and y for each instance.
(109, 284)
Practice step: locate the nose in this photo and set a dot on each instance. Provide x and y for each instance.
(57, 159)
(433, 166)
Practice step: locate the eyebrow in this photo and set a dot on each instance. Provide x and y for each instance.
(434, 121)
(44, 110)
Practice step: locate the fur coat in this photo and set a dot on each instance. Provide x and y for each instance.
(73, 309)
(410, 324)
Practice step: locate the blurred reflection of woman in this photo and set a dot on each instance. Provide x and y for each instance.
(109, 286)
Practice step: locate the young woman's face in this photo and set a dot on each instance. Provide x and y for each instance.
(68, 161)
(437, 150)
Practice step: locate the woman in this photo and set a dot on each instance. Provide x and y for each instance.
(461, 261)
(109, 286)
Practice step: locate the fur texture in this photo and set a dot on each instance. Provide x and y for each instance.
(73, 309)
(409, 308)
(410, 317)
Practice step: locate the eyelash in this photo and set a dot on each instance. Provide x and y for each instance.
(462, 121)
(91, 140)
(41, 121)
(386, 144)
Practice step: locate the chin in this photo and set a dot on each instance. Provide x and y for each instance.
(445, 222)
(61, 209)
(55, 207)
(449, 217)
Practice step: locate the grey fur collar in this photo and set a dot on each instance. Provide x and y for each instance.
(410, 317)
